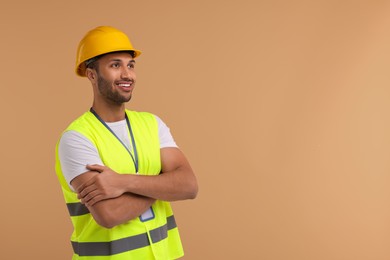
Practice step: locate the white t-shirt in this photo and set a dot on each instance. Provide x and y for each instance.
(76, 151)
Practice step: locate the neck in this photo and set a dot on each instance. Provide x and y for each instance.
(110, 113)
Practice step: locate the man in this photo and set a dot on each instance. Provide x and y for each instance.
(119, 169)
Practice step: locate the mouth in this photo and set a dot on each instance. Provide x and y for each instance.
(125, 86)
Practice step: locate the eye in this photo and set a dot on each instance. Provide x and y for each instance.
(131, 65)
(115, 65)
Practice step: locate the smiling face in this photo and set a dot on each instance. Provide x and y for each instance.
(113, 78)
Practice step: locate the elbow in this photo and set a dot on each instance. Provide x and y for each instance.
(106, 224)
(187, 191)
(192, 195)
(106, 220)
(110, 219)
(193, 191)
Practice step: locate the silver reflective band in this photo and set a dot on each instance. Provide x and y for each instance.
(77, 209)
(124, 244)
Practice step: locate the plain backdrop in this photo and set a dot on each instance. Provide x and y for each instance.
(282, 108)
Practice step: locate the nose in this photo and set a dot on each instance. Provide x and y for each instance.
(127, 73)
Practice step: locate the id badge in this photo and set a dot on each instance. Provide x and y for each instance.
(147, 215)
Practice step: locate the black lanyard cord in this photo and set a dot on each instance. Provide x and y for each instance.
(135, 157)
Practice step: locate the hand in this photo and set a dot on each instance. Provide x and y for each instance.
(105, 185)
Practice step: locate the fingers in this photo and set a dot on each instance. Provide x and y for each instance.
(90, 195)
(91, 198)
(82, 193)
(98, 187)
(85, 185)
(96, 167)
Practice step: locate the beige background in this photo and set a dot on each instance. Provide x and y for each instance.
(283, 108)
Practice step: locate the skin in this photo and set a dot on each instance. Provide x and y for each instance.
(114, 198)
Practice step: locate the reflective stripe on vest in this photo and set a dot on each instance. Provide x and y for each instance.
(124, 244)
(77, 209)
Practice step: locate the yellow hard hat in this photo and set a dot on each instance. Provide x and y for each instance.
(101, 40)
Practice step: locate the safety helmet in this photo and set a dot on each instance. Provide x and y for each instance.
(101, 40)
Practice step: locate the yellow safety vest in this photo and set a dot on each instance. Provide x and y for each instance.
(157, 238)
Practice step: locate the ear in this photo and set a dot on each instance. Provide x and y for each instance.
(91, 74)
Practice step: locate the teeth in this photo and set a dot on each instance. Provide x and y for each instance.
(124, 85)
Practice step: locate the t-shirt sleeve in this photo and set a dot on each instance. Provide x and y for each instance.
(75, 152)
(166, 138)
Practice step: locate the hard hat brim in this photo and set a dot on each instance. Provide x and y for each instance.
(81, 68)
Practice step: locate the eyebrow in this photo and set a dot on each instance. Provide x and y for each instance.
(131, 61)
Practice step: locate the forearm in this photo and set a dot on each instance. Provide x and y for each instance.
(112, 212)
(177, 181)
(115, 210)
(179, 184)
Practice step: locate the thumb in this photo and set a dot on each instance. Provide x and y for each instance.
(95, 167)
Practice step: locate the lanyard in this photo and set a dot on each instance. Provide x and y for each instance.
(135, 157)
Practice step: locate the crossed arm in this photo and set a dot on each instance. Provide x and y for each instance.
(115, 198)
